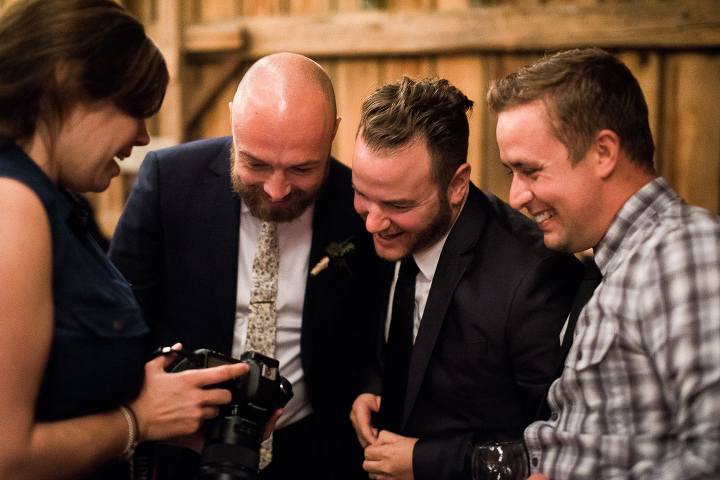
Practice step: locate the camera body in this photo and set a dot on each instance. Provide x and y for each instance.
(232, 444)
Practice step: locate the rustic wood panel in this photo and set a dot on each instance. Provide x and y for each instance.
(354, 80)
(691, 137)
(169, 40)
(494, 176)
(394, 68)
(216, 11)
(508, 27)
(672, 46)
(647, 68)
(304, 7)
(468, 73)
(261, 7)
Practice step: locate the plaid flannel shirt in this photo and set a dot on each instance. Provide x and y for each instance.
(639, 396)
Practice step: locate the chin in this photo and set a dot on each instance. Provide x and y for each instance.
(559, 245)
(390, 254)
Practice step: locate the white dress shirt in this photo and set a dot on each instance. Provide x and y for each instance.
(295, 239)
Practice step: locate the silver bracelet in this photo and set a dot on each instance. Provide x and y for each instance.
(132, 432)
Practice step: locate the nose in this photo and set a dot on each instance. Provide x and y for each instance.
(143, 136)
(375, 220)
(277, 187)
(520, 194)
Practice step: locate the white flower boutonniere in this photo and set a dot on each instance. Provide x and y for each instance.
(335, 254)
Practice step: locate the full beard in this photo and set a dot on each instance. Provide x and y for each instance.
(294, 204)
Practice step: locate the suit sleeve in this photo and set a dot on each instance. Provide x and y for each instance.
(137, 246)
(537, 313)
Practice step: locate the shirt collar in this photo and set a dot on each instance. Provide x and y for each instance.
(639, 209)
(427, 260)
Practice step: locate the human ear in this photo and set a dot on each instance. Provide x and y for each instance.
(607, 149)
(458, 187)
(337, 124)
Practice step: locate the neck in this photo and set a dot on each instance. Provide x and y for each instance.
(39, 147)
(624, 182)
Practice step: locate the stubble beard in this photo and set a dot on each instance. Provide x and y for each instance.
(435, 230)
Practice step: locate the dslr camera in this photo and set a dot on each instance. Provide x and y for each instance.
(232, 440)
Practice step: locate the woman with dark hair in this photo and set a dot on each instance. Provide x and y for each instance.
(78, 78)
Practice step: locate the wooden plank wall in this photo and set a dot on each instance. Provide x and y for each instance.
(672, 46)
(682, 85)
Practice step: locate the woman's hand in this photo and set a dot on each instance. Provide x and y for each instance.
(172, 405)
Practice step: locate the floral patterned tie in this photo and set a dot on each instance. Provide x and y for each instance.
(263, 294)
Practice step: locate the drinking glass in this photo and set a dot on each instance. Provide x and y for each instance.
(500, 461)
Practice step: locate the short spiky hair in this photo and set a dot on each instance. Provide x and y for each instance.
(584, 91)
(430, 109)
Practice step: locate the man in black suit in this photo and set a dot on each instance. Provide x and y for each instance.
(186, 242)
(490, 299)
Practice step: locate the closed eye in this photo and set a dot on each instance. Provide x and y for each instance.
(399, 207)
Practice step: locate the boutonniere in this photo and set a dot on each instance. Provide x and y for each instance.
(336, 252)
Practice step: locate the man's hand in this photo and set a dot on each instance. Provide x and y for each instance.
(270, 425)
(390, 457)
(537, 476)
(363, 408)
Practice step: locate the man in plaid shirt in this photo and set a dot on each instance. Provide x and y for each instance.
(639, 396)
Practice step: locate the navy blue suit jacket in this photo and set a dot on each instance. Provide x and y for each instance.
(488, 344)
(177, 244)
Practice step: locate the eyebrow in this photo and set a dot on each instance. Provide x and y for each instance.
(402, 202)
(517, 163)
(307, 163)
(247, 156)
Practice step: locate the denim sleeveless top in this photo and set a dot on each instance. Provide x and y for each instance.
(97, 358)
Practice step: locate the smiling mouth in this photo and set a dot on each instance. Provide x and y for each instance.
(388, 236)
(546, 215)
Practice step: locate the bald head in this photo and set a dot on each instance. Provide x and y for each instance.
(285, 81)
(283, 122)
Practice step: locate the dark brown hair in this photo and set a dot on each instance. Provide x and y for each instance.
(429, 109)
(56, 51)
(584, 91)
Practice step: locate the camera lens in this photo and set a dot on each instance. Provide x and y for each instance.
(231, 450)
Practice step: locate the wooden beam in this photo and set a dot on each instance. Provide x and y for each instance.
(215, 37)
(522, 27)
(167, 33)
(205, 93)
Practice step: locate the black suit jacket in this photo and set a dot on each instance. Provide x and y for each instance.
(177, 244)
(488, 344)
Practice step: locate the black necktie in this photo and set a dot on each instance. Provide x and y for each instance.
(589, 283)
(399, 348)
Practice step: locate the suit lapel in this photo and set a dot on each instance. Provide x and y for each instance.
(318, 300)
(454, 260)
(223, 244)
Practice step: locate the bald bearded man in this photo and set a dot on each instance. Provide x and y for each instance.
(188, 236)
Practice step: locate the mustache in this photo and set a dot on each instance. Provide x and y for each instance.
(260, 204)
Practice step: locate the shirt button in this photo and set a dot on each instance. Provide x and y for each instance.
(535, 461)
(118, 325)
(579, 356)
(554, 416)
